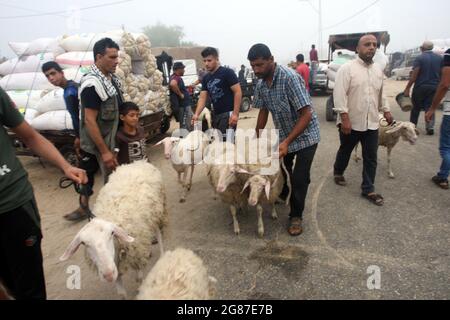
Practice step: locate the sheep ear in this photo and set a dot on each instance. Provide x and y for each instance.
(240, 170)
(122, 235)
(71, 249)
(247, 184)
(268, 190)
(394, 130)
(160, 143)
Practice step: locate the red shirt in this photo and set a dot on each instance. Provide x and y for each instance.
(313, 55)
(303, 70)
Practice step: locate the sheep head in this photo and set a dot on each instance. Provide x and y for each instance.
(169, 144)
(407, 130)
(98, 238)
(257, 184)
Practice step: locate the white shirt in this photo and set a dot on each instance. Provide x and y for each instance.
(359, 92)
(447, 104)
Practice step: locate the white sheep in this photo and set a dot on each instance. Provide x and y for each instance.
(389, 136)
(206, 115)
(264, 192)
(185, 154)
(130, 211)
(178, 275)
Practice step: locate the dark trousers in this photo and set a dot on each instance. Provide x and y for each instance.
(300, 178)
(369, 142)
(221, 122)
(422, 99)
(21, 268)
(89, 163)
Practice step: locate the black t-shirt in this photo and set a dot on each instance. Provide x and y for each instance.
(218, 85)
(91, 100)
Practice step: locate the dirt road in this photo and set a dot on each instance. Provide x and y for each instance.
(408, 239)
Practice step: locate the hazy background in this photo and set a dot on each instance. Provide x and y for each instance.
(287, 26)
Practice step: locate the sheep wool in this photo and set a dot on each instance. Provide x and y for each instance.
(178, 275)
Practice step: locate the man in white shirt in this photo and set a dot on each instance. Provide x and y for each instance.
(358, 100)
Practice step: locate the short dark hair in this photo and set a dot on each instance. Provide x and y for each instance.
(51, 65)
(126, 107)
(259, 51)
(103, 44)
(313, 46)
(300, 58)
(447, 58)
(210, 51)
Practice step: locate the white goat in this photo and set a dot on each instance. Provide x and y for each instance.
(133, 202)
(389, 136)
(178, 275)
(185, 154)
(206, 115)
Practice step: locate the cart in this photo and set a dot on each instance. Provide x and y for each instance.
(64, 140)
(349, 42)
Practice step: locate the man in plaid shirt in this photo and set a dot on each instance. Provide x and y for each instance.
(282, 92)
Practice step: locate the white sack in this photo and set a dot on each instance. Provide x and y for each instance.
(26, 81)
(55, 120)
(25, 64)
(52, 101)
(75, 59)
(25, 99)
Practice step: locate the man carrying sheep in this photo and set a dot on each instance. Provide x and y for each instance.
(358, 99)
(101, 97)
(21, 269)
(282, 92)
(222, 86)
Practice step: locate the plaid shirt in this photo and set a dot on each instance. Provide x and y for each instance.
(284, 99)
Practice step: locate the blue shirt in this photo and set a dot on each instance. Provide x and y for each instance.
(430, 69)
(73, 104)
(284, 99)
(218, 85)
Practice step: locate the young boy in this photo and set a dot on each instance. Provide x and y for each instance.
(130, 139)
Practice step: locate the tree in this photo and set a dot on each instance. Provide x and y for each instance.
(166, 36)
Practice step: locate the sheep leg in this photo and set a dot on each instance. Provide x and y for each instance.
(390, 172)
(189, 186)
(183, 184)
(260, 210)
(120, 288)
(274, 213)
(233, 211)
(357, 158)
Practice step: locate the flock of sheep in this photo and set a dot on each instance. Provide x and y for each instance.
(131, 212)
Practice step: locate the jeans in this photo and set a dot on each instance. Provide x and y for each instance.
(300, 179)
(185, 116)
(422, 98)
(445, 148)
(369, 142)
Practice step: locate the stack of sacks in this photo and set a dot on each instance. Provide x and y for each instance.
(51, 113)
(24, 72)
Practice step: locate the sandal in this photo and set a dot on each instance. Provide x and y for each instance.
(77, 215)
(295, 228)
(441, 183)
(376, 199)
(340, 181)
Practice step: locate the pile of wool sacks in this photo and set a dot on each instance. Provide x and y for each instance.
(43, 104)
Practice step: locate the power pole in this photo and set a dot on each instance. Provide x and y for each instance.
(320, 30)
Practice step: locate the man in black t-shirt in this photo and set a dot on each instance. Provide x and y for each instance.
(222, 86)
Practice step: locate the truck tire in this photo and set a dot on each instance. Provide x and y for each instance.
(330, 114)
(246, 104)
(165, 124)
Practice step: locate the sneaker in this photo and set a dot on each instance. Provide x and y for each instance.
(77, 215)
(430, 132)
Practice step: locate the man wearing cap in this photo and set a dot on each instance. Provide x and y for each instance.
(425, 78)
(179, 97)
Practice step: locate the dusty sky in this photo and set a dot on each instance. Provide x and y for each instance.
(287, 26)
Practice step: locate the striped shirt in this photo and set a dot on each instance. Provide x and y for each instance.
(284, 99)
